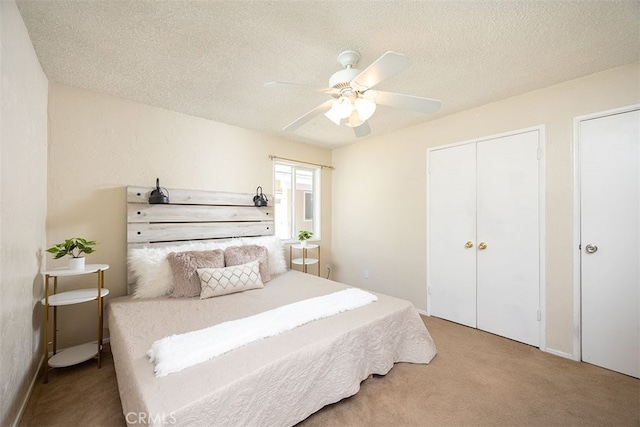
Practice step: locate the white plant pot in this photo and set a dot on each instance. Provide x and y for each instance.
(303, 243)
(76, 263)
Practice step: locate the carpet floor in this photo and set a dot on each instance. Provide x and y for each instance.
(477, 379)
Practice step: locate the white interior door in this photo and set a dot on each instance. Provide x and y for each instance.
(508, 269)
(452, 223)
(610, 236)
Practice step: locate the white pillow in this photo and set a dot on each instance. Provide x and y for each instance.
(151, 268)
(215, 282)
(277, 260)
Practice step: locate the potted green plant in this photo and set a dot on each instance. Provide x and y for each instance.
(303, 236)
(74, 248)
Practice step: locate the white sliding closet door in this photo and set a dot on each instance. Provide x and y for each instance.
(484, 235)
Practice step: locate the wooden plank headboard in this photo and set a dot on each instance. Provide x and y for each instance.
(193, 215)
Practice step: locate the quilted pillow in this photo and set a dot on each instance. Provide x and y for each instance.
(222, 281)
(183, 266)
(236, 255)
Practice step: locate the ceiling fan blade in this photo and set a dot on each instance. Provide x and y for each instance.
(320, 109)
(283, 85)
(384, 67)
(408, 102)
(362, 130)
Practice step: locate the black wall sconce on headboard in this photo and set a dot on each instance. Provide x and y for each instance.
(157, 196)
(260, 199)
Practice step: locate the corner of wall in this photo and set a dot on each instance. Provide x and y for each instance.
(23, 197)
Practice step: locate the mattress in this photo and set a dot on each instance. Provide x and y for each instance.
(277, 381)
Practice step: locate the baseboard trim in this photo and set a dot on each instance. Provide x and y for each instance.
(423, 312)
(560, 353)
(25, 401)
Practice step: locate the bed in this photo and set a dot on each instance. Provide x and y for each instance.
(275, 381)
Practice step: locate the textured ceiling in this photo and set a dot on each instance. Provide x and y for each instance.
(211, 58)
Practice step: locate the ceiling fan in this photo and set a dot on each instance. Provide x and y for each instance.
(353, 101)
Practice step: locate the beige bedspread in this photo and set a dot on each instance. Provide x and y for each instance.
(277, 381)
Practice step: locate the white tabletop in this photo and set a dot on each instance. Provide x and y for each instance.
(65, 271)
(75, 297)
(73, 355)
(308, 246)
(306, 261)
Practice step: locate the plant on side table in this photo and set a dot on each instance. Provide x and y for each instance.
(303, 236)
(74, 248)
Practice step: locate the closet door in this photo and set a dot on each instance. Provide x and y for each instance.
(484, 235)
(452, 223)
(610, 234)
(508, 268)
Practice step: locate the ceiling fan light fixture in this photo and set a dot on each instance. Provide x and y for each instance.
(333, 115)
(365, 107)
(354, 120)
(343, 107)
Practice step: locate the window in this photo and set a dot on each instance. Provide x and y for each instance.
(297, 199)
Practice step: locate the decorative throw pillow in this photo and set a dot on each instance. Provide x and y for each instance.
(236, 255)
(222, 281)
(277, 260)
(152, 272)
(186, 282)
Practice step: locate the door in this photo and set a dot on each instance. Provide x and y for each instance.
(508, 277)
(483, 235)
(452, 223)
(610, 236)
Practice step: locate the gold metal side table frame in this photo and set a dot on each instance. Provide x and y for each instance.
(98, 294)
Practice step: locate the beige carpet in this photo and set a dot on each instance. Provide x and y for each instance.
(477, 379)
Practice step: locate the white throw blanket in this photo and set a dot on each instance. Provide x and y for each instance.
(177, 352)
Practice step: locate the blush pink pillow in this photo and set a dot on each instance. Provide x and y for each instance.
(237, 255)
(184, 267)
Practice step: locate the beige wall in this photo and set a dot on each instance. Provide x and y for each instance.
(23, 187)
(100, 144)
(379, 192)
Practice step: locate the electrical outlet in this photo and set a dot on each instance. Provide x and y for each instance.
(365, 274)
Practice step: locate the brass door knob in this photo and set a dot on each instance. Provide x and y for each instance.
(482, 246)
(469, 244)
